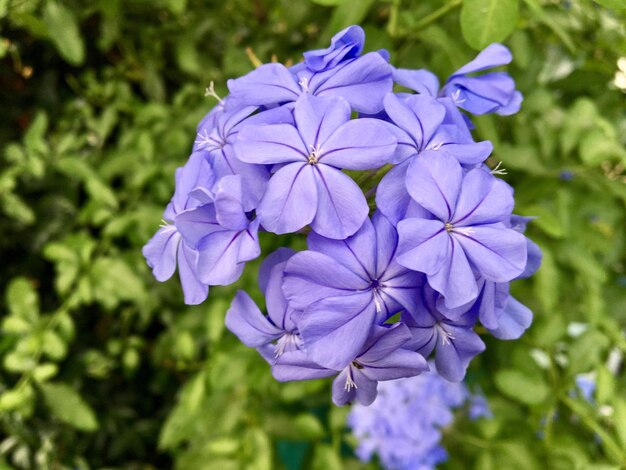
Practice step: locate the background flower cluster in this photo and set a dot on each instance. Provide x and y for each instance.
(102, 366)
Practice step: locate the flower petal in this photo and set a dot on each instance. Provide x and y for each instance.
(291, 199)
(270, 143)
(160, 252)
(228, 203)
(484, 199)
(418, 115)
(357, 252)
(434, 181)
(491, 56)
(392, 197)
(196, 224)
(513, 321)
(335, 329)
(455, 279)
(360, 144)
(311, 276)
(421, 81)
(194, 291)
(497, 252)
(455, 349)
(341, 206)
(318, 117)
(296, 365)
(218, 259)
(423, 245)
(247, 322)
(397, 364)
(274, 258)
(363, 82)
(265, 85)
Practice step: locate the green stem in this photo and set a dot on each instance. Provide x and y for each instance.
(435, 15)
(613, 450)
(392, 24)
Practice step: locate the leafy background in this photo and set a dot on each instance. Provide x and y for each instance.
(101, 366)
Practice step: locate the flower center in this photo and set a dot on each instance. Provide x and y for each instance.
(287, 342)
(449, 227)
(446, 336)
(313, 157)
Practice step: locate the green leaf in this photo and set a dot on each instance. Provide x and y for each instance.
(615, 4)
(69, 407)
(328, 3)
(547, 281)
(15, 398)
(486, 21)
(308, 426)
(63, 32)
(348, 12)
(22, 299)
(546, 220)
(325, 458)
(619, 419)
(45, 372)
(527, 389)
(53, 345)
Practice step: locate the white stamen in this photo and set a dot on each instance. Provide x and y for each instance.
(499, 171)
(455, 97)
(379, 307)
(304, 84)
(164, 223)
(446, 336)
(204, 138)
(314, 155)
(287, 342)
(464, 230)
(210, 91)
(349, 382)
(437, 146)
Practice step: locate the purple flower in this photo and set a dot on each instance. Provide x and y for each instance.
(362, 81)
(344, 287)
(454, 341)
(345, 45)
(221, 232)
(586, 385)
(256, 330)
(215, 139)
(403, 425)
(466, 234)
(419, 130)
(381, 358)
(166, 249)
(492, 92)
(309, 187)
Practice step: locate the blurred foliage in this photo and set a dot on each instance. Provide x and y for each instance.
(101, 366)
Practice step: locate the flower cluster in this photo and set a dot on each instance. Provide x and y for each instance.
(403, 426)
(372, 297)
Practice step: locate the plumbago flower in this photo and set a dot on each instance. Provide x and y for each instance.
(395, 272)
(215, 138)
(463, 232)
(310, 188)
(345, 286)
(492, 92)
(380, 358)
(257, 330)
(338, 71)
(166, 250)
